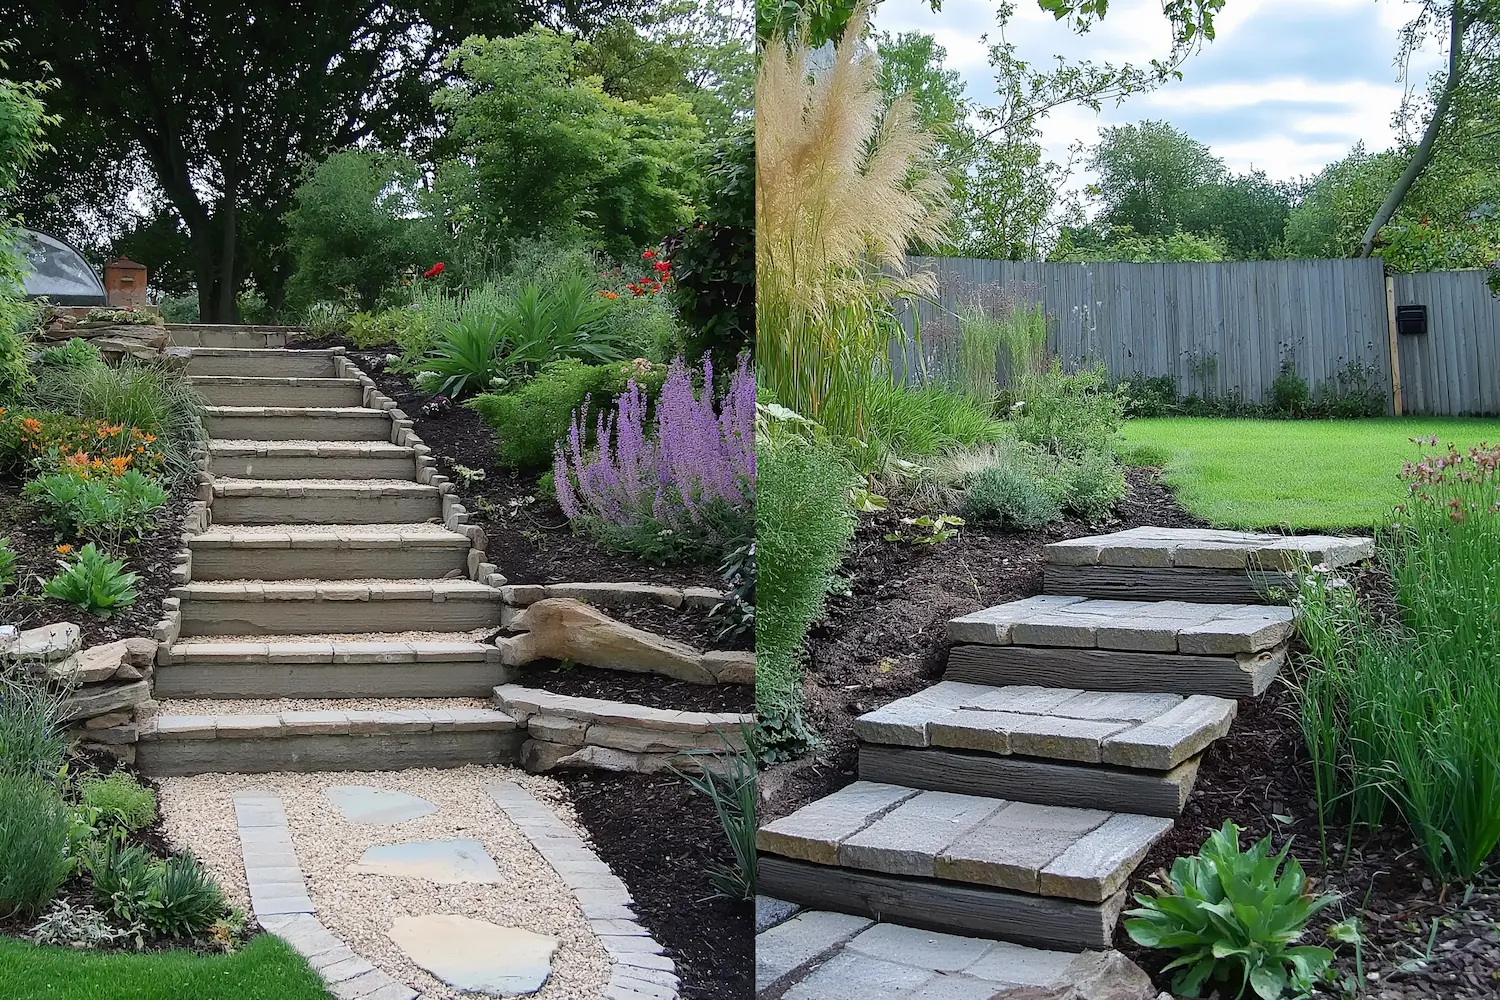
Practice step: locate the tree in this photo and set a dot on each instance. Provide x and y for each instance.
(224, 102)
(1152, 177)
(1335, 204)
(1248, 210)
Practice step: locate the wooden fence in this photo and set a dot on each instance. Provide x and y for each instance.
(1228, 328)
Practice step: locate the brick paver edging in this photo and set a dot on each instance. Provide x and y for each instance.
(640, 970)
(279, 900)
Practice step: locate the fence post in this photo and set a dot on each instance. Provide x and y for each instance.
(1390, 319)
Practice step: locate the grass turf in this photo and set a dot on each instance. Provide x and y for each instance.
(1296, 474)
(265, 969)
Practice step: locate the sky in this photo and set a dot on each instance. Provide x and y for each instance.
(1287, 86)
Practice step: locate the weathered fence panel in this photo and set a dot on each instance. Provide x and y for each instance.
(1454, 368)
(1219, 328)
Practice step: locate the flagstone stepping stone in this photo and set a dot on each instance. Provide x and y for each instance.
(446, 862)
(476, 955)
(367, 805)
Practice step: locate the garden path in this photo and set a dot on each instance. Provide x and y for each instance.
(1012, 801)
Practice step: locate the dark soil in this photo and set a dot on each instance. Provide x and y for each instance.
(659, 836)
(35, 545)
(651, 690)
(690, 625)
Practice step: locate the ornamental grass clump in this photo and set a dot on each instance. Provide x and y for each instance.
(685, 491)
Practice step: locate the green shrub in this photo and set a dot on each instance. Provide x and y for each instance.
(1290, 395)
(387, 327)
(7, 565)
(326, 319)
(75, 353)
(33, 844)
(713, 265)
(1232, 918)
(733, 794)
(803, 521)
(1069, 413)
(180, 308)
(1146, 456)
(909, 422)
(185, 900)
(124, 877)
(120, 798)
(93, 582)
(531, 420)
(1089, 486)
(103, 508)
(14, 375)
(465, 358)
(1010, 497)
(31, 741)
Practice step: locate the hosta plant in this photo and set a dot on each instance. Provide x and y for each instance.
(94, 583)
(1233, 919)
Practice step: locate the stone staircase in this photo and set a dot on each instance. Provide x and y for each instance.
(1014, 799)
(330, 563)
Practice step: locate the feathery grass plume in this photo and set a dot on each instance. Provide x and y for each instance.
(839, 198)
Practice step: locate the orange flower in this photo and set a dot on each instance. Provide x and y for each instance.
(63, 550)
(119, 465)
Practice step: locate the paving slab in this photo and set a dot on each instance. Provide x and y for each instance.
(476, 955)
(814, 832)
(1208, 548)
(1011, 847)
(445, 862)
(368, 805)
(1149, 626)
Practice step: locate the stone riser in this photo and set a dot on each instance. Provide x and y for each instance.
(249, 394)
(209, 335)
(292, 364)
(312, 467)
(169, 758)
(1115, 670)
(427, 563)
(337, 617)
(325, 510)
(375, 427)
(1026, 780)
(1038, 921)
(462, 679)
(1196, 586)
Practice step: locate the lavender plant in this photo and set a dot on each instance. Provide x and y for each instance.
(687, 490)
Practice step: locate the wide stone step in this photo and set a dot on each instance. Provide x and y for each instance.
(323, 501)
(259, 362)
(314, 667)
(1148, 732)
(1229, 650)
(352, 552)
(215, 335)
(325, 741)
(249, 608)
(243, 459)
(249, 390)
(1201, 565)
(297, 423)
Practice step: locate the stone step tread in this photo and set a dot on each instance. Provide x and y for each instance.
(1151, 732)
(313, 381)
(1057, 851)
(236, 352)
(1143, 626)
(224, 447)
(353, 488)
(375, 590)
(361, 536)
(374, 649)
(1208, 548)
(324, 723)
(332, 412)
(524, 703)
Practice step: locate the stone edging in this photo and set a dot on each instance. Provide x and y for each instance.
(613, 595)
(326, 723)
(279, 901)
(639, 969)
(567, 731)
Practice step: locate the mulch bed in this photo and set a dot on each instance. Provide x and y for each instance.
(658, 835)
(886, 640)
(651, 690)
(35, 545)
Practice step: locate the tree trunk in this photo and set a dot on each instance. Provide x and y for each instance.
(1423, 153)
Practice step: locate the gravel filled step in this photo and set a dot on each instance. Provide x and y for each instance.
(354, 552)
(309, 667)
(325, 740)
(1202, 565)
(247, 390)
(297, 423)
(323, 501)
(1085, 855)
(1150, 732)
(305, 459)
(230, 335)
(303, 608)
(261, 362)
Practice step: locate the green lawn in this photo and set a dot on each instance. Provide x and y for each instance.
(265, 969)
(1295, 474)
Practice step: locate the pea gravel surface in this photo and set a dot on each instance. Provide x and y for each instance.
(198, 815)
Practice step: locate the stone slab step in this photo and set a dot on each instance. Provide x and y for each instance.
(323, 501)
(1135, 626)
(325, 741)
(1149, 732)
(231, 335)
(297, 423)
(1201, 565)
(275, 362)
(370, 552)
(249, 390)
(1243, 675)
(308, 608)
(377, 667)
(1059, 852)
(304, 459)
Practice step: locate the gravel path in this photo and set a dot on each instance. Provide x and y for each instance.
(275, 706)
(198, 815)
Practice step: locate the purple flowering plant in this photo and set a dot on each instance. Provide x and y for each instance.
(677, 485)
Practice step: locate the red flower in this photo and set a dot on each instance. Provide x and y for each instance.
(434, 270)
(648, 255)
(662, 266)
